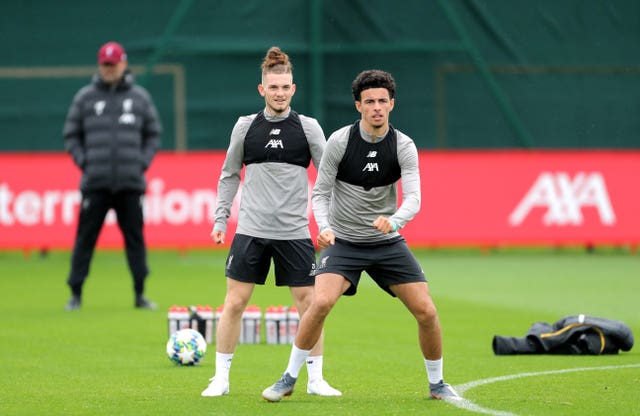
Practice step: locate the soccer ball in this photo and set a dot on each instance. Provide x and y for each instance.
(186, 347)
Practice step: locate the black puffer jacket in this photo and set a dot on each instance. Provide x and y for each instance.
(575, 334)
(113, 134)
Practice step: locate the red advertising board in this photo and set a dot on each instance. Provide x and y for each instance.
(39, 201)
(468, 198)
(528, 197)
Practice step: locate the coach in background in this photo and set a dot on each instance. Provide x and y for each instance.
(112, 131)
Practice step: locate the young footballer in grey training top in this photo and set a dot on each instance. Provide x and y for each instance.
(276, 146)
(355, 206)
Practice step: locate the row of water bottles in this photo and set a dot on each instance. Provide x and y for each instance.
(201, 318)
(280, 323)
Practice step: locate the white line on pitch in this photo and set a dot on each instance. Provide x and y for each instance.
(471, 406)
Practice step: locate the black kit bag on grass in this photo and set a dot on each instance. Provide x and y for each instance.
(574, 335)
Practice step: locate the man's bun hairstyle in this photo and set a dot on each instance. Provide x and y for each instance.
(276, 62)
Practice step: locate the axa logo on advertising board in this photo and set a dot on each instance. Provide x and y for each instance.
(564, 197)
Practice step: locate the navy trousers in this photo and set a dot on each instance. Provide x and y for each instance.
(93, 210)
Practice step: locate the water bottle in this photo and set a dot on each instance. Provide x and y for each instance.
(172, 317)
(281, 319)
(202, 321)
(195, 320)
(250, 333)
(184, 317)
(271, 325)
(293, 319)
(207, 314)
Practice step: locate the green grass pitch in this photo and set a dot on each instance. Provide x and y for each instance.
(109, 359)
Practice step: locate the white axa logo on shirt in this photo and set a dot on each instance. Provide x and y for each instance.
(564, 199)
(371, 166)
(274, 144)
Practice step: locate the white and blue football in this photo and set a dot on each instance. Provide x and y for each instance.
(186, 347)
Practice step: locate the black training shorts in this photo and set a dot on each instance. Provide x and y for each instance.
(388, 263)
(249, 260)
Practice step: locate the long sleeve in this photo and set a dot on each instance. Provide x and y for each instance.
(411, 194)
(230, 176)
(315, 138)
(325, 182)
(151, 132)
(73, 132)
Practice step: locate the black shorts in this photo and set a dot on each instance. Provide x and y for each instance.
(249, 260)
(388, 263)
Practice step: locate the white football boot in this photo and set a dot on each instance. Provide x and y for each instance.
(322, 388)
(217, 387)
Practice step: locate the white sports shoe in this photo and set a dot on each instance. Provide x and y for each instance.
(443, 391)
(322, 388)
(217, 387)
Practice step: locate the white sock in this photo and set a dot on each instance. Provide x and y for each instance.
(314, 368)
(296, 359)
(223, 365)
(434, 370)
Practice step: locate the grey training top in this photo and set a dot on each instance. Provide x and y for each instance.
(349, 210)
(274, 196)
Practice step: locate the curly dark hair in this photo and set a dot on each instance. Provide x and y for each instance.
(373, 78)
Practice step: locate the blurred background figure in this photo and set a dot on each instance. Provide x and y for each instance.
(112, 131)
